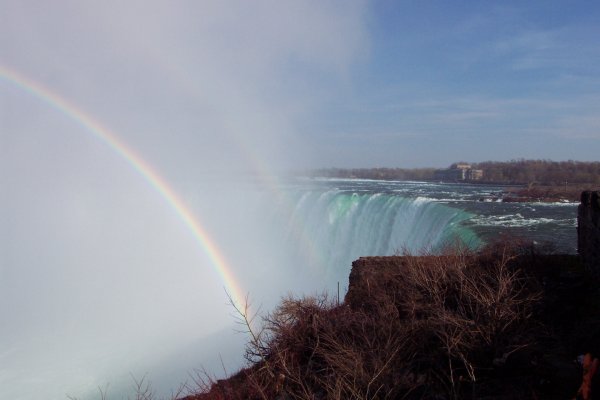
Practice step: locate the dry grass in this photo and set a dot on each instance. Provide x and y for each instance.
(142, 390)
(428, 327)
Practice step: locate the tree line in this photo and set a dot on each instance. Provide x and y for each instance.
(396, 174)
(543, 172)
(521, 171)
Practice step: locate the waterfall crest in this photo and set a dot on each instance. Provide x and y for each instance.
(328, 229)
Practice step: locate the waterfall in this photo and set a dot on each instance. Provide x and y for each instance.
(135, 295)
(328, 229)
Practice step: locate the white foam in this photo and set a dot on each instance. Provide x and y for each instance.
(511, 220)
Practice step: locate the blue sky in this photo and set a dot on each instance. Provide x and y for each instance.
(442, 82)
(318, 84)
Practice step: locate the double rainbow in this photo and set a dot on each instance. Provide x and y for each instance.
(94, 127)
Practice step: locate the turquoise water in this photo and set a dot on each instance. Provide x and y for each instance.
(328, 223)
(156, 309)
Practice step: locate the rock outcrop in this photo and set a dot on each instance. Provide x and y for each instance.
(588, 231)
(503, 323)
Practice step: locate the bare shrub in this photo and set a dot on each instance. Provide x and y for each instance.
(475, 308)
(423, 327)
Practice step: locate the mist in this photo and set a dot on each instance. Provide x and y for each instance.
(100, 279)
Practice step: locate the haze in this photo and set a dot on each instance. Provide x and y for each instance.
(97, 268)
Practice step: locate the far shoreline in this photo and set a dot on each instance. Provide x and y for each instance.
(513, 192)
(523, 180)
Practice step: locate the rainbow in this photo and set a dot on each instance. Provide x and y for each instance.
(142, 167)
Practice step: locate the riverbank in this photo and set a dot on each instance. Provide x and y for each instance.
(505, 323)
(514, 172)
(546, 193)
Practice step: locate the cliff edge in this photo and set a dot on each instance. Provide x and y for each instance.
(588, 231)
(502, 323)
(505, 323)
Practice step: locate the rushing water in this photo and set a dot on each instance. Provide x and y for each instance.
(313, 229)
(298, 236)
(336, 221)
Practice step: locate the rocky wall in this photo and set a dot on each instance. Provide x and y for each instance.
(588, 231)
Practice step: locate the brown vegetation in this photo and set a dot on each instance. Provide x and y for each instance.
(543, 172)
(569, 192)
(451, 326)
(522, 172)
(399, 174)
(590, 367)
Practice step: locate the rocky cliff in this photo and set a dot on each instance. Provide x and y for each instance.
(588, 231)
(503, 323)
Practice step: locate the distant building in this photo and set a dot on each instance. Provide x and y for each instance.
(449, 175)
(474, 174)
(463, 166)
(458, 172)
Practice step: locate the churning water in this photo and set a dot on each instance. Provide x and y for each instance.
(298, 236)
(333, 222)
